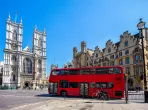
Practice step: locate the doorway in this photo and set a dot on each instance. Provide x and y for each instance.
(0, 81)
(53, 88)
(84, 89)
(27, 84)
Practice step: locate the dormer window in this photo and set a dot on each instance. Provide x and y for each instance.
(109, 50)
(126, 43)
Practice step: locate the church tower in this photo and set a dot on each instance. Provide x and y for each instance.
(14, 33)
(39, 49)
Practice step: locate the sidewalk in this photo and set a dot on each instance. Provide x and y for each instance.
(87, 104)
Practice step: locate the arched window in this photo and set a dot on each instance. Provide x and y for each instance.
(27, 65)
(14, 35)
(39, 65)
(13, 58)
(13, 77)
(96, 55)
(40, 42)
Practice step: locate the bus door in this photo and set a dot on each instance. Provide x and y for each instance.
(84, 89)
(53, 88)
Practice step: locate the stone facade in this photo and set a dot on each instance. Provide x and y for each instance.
(82, 58)
(22, 66)
(126, 53)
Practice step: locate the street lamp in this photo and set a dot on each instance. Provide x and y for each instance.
(141, 27)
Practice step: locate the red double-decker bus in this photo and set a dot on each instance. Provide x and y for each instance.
(85, 81)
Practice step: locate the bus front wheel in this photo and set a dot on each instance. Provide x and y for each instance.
(63, 93)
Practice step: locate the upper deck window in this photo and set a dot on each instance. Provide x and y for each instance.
(55, 72)
(87, 71)
(65, 72)
(115, 70)
(101, 70)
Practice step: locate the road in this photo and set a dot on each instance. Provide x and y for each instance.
(14, 98)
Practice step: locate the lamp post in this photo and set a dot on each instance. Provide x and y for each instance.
(141, 26)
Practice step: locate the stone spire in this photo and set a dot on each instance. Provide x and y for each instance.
(21, 21)
(44, 30)
(35, 28)
(9, 17)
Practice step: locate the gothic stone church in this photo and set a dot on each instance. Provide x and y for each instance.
(23, 66)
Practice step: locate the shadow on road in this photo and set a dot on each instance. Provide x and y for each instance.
(43, 95)
(69, 97)
(121, 102)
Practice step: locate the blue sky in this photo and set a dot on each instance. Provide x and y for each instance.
(68, 22)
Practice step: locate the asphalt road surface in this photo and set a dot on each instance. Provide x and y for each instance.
(14, 98)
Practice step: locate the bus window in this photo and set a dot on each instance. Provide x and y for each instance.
(73, 85)
(92, 84)
(63, 83)
(56, 72)
(61, 72)
(74, 72)
(93, 71)
(66, 72)
(115, 70)
(101, 85)
(111, 70)
(110, 85)
(85, 71)
(101, 70)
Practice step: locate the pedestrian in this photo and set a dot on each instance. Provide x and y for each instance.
(136, 88)
(139, 88)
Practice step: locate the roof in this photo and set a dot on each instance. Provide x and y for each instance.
(117, 44)
(90, 52)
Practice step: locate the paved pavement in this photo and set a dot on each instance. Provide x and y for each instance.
(86, 104)
(40, 100)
